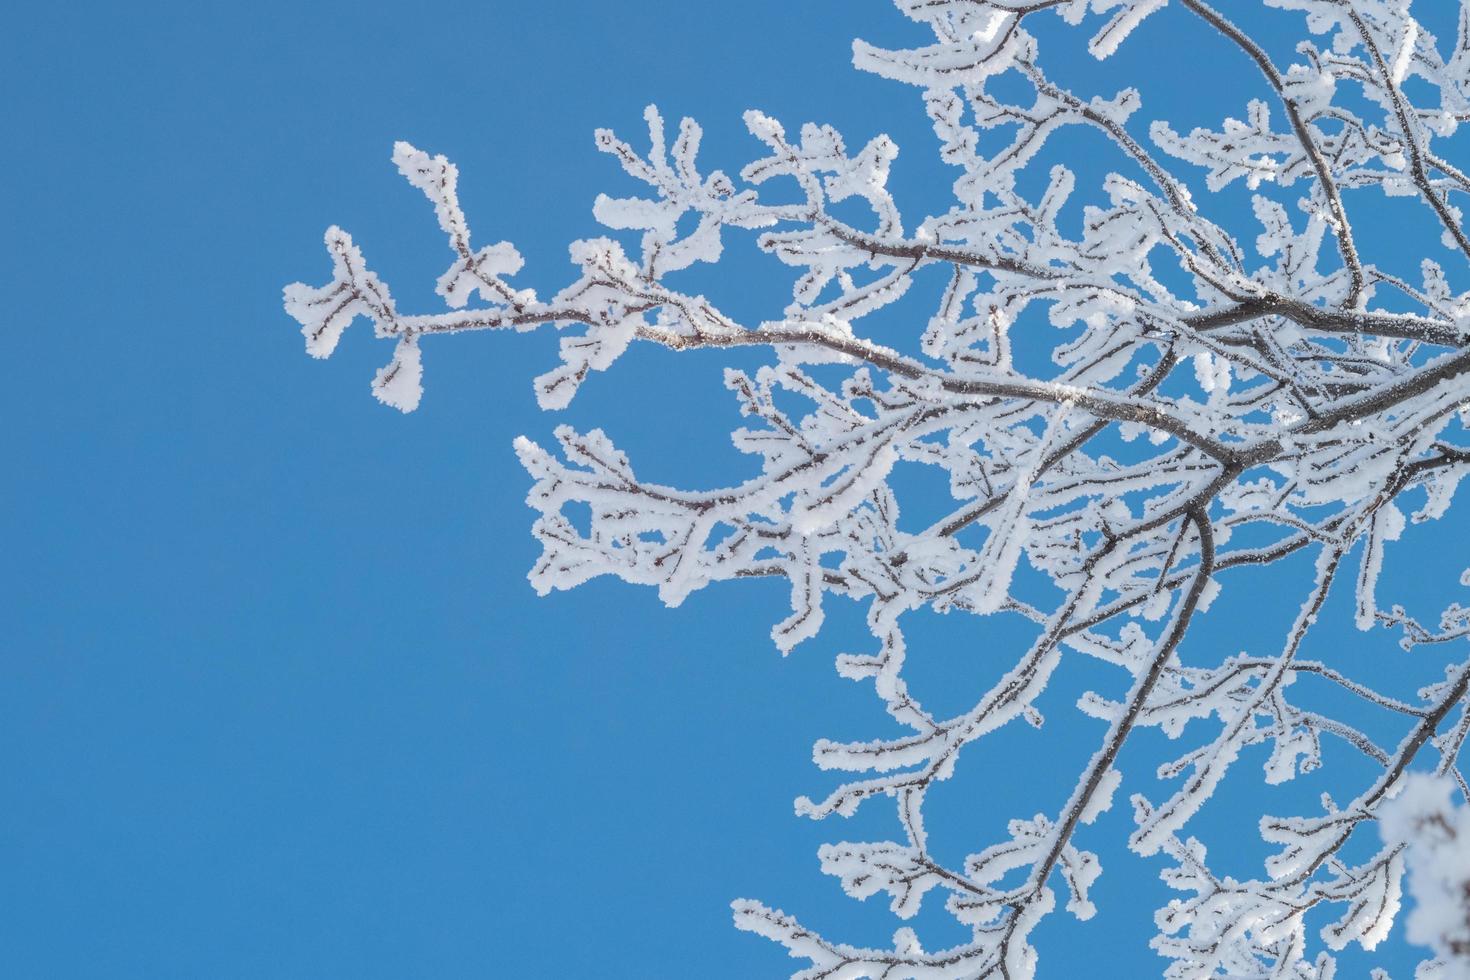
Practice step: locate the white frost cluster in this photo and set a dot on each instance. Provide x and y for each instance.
(1435, 835)
(1267, 373)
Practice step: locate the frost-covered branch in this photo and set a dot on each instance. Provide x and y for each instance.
(1436, 835)
(1225, 391)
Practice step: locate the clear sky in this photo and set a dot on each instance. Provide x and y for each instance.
(275, 697)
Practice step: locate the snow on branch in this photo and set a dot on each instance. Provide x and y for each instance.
(1273, 383)
(1425, 823)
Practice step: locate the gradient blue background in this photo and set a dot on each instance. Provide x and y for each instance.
(275, 697)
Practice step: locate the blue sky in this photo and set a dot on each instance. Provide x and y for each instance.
(276, 699)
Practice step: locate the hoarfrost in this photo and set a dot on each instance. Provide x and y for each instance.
(1278, 393)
